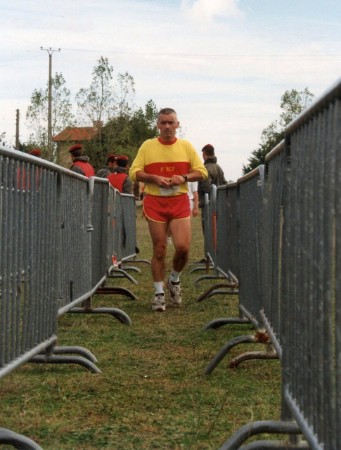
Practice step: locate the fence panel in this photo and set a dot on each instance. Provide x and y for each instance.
(100, 259)
(27, 259)
(116, 225)
(250, 195)
(210, 230)
(75, 237)
(227, 230)
(271, 244)
(305, 285)
(128, 242)
(28, 279)
(311, 273)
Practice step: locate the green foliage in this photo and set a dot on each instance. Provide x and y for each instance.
(3, 138)
(37, 112)
(292, 104)
(97, 103)
(107, 103)
(124, 134)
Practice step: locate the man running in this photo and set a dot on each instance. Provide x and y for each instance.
(165, 164)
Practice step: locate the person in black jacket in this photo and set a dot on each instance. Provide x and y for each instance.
(215, 172)
(215, 176)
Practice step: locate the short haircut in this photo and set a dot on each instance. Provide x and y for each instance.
(166, 111)
(208, 149)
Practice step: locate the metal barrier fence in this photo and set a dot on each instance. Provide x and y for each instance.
(56, 245)
(271, 245)
(227, 231)
(76, 227)
(210, 229)
(247, 221)
(250, 194)
(28, 301)
(300, 283)
(28, 306)
(220, 226)
(311, 282)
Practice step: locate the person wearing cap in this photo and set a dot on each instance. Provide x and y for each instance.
(109, 168)
(23, 177)
(165, 164)
(119, 178)
(80, 162)
(35, 152)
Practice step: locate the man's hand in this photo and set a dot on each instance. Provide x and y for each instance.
(176, 180)
(163, 182)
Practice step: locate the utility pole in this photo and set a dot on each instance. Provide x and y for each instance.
(17, 130)
(50, 52)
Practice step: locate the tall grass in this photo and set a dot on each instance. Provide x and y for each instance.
(152, 393)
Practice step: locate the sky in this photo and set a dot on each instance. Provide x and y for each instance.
(223, 65)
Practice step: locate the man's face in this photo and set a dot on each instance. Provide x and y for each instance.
(168, 124)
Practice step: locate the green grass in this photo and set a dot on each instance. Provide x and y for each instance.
(152, 393)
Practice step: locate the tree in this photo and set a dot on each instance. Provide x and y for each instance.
(124, 134)
(37, 113)
(292, 103)
(3, 138)
(97, 102)
(126, 85)
(106, 98)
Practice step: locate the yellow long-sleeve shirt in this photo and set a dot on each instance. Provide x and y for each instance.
(156, 158)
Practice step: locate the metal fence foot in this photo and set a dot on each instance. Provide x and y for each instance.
(111, 290)
(74, 349)
(225, 349)
(120, 273)
(42, 359)
(251, 429)
(252, 355)
(120, 315)
(132, 268)
(17, 440)
(220, 322)
(226, 288)
(208, 277)
(274, 445)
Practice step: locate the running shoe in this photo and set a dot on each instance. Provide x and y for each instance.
(159, 302)
(175, 292)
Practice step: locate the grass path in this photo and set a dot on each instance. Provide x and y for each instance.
(152, 393)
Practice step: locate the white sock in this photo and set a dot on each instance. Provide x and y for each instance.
(158, 285)
(174, 277)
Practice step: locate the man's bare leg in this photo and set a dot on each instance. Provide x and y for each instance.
(158, 233)
(181, 231)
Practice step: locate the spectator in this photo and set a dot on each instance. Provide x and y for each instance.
(165, 164)
(109, 168)
(216, 174)
(119, 179)
(35, 152)
(80, 162)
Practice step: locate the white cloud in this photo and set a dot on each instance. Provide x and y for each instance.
(224, 72)
(208, 10)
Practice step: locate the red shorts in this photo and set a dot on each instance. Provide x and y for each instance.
(164, 209)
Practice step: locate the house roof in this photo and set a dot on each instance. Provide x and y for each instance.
(76, 134)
